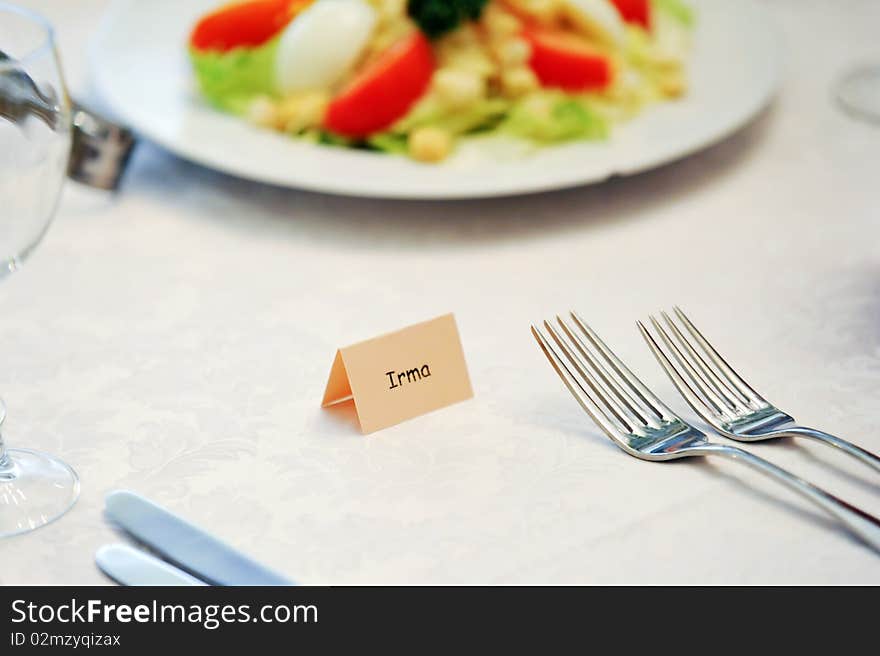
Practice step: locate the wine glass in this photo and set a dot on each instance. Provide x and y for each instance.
(858, 92)
(35, 137)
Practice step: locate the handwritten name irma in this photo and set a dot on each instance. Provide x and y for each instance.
(399, 378)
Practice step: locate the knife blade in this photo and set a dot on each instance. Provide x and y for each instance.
(128, 566)
(186, 545)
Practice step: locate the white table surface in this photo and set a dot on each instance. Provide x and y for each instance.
(175, 340)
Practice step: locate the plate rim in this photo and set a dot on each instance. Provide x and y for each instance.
(746, 115)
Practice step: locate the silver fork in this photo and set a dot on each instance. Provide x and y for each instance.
(722, 398)
(643, 426)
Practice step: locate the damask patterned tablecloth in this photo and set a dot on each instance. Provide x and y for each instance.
(174, 339)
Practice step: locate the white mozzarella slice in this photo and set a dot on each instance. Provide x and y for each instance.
(322, 44)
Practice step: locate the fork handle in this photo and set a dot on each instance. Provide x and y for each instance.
(857, 521)
(870, 459)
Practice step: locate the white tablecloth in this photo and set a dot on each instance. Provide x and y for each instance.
(175, 340)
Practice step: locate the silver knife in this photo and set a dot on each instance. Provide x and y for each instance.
(185, 545)
(128, 566)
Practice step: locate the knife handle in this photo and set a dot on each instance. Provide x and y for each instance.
(128, 566)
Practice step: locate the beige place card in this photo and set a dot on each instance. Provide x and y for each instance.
(401, 375)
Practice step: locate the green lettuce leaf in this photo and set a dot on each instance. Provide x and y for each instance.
(387, 142)
(551, 119)
(479, 116)
(230, 80)
(677, 9)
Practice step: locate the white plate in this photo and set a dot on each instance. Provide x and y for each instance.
(141, 70)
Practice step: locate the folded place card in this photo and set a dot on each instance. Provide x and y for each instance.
(401, 375)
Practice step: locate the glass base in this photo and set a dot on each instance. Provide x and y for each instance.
(35, 489)
(859, 92)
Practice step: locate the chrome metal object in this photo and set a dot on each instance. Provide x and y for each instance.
(646, 428)
(101, 149)
(129, 566)
(722, 397)
(184, 545)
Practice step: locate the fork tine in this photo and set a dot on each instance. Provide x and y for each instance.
(734, 378)
(714, 403)
(647, 396)
(607, 399)
(581, 395)
(677, 379)
(609, 380)
(730, 396)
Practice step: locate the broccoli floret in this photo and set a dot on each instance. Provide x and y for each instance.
(437, 17)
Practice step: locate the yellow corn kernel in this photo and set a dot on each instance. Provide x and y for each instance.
(457, 87)
(539, 106)
(392, 8)
(512, 52)
(299, 112)
(672, 85)
(666, 62)
(472, 60)
(545, 11)
(430, 144)
(313, 106)
(517, 82)
(262, 112)
(500, 23)
(287, 109)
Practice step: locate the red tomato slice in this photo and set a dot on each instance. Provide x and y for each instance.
(384, 91)
(635, 11)
(244, 24)
(563, 60)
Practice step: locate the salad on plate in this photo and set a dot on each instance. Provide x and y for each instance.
(413, 77)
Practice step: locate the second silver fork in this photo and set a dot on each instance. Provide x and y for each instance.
(720, 395)
(644, 427)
